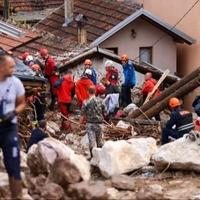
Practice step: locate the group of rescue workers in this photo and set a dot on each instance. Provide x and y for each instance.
(94, 109)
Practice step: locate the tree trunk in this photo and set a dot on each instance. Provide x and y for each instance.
(165, 93)
(181, 92)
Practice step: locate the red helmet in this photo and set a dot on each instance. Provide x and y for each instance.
(24, 55)
(43, 52)
(88, 62)
(124, 57)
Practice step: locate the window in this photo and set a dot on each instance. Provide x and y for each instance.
(146, 54)
(113, 50)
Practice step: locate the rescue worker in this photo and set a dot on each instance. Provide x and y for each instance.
(12, 102)
(38, 134)
(23, 56)
(82, 86)
(129, 80)
(88, 65)
(196, 105)
(92, 113)
(148, 87)
(50, 73)
(65, 87)
(180, 122)
(112, 74)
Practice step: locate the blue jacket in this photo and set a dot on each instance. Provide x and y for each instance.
(129, 74)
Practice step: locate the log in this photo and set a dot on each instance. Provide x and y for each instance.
(181, 92)
(165, 93)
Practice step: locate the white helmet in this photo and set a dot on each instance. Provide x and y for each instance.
(29, 58)
(88, 72)
(109, 63)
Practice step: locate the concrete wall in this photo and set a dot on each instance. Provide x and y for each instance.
(171, 11)
(164, 53)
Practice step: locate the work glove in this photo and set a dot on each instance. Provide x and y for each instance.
(8, 117)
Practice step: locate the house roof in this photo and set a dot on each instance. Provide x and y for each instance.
(12, 37)
(102, 15)
(177, 34)
(27, 5)
(96, 51)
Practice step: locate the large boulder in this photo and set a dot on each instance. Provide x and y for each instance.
(123, 156)
(88, 191)
(42, 156)
(181, 154)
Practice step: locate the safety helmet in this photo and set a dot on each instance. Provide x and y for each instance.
(24, 55)
(43, 52)
(88, 62)
(109, 63)
(124, 57)
(29, 58)
(174, 102)
(35, 67)
(88, 72)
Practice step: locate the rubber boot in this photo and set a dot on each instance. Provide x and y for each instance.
(15, 188)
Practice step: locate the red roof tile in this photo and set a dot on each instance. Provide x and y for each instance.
(27, 5)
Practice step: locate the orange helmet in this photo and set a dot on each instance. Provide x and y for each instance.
(174, 102)
(88, 62)
(43, 52)
(35, 67)
(124, 57)
(24, 55)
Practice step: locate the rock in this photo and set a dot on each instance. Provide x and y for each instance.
(52, 191)
(42, 156)
(63, 172)
(123, 156)
(150, 192)
(4, 186)
(123, 182)
(181, 154)
(88, 191)
(112, 194)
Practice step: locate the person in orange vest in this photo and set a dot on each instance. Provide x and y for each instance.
(180, 122)
(82, 86)
(50, 73)
(65, 87)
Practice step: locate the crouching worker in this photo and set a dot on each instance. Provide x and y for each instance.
(180, 122)
(93, 111)
(12, 102)
(38, 134)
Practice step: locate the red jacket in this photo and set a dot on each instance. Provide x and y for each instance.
(112, 76)
(82, 86)
(64, 92)
(148, 87)
(50, 66)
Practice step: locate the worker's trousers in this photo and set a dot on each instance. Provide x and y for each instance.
(125, 97)
(166, 133)
(9, 143)
(94, 132)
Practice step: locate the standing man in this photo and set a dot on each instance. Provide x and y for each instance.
(12, 102)
(65, 87)
(88, 65)
(82, 86)
(93, 112)
(180, 122)
(129, 80)
(50, 73)
(112, 74)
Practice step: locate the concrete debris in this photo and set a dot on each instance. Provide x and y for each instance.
(123, 182)
(52, 127)
(4, 186)
(182, 154)
(88, 191)
(123, 156)
(42, 156)
(113, 194)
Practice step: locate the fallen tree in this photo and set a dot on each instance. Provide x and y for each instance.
(184, 81)
(180, 92)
